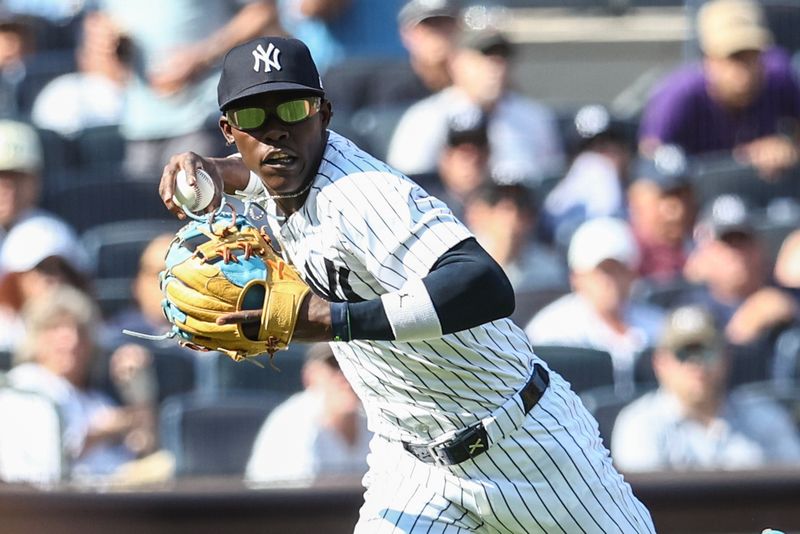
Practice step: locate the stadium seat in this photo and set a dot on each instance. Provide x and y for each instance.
(713, 176)
(114, 249)
(643, 374)
(583, 368)
(100, 147)
(604, 404)
(86, 205)
(372, 129)
(528, 303)
(285, 378)
(6, 360)
(211, 435)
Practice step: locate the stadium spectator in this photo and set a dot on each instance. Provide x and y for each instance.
(17, 42)
(523, 136)
(92, 96)
(55, 360)
(21, 163)
(503, 219)
(603, 259)
(594, 185)
(319, 433)
(336, 30)
(729, 262)
(742, 101)
(691, 421)
(428, 29)
(174, 75)
(463, 164)
(661, 210)
(38, 255)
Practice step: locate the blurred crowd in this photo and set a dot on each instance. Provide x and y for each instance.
(655, 258)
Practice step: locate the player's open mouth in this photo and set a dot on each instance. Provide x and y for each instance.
(279, 159)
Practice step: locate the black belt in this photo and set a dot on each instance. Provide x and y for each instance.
(473, 440)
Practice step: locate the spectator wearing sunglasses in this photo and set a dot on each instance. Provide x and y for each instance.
(691, 421)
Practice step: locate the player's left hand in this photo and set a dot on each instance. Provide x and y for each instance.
(313, 321)
(227, 267)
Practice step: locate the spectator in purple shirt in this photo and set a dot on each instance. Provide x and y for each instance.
(742, 99)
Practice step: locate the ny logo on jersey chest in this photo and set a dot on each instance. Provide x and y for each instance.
(269, 58)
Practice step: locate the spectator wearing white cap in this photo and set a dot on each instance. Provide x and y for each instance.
(691, 421)
(603, 258)
(21, 163)
(39, 254)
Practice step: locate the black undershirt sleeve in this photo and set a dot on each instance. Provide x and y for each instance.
(467, 287)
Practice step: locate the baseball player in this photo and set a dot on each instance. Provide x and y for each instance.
(473, 432)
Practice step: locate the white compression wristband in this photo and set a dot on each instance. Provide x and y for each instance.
(411, 313)
(254, 187)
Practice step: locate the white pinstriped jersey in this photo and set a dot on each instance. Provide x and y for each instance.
(364, 230)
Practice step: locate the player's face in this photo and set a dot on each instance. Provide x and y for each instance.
(281, 137)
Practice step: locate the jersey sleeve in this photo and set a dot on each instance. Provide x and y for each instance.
(392, 226)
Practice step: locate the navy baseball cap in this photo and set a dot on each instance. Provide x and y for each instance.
(727, 214)
(668, 168)
(266, 65)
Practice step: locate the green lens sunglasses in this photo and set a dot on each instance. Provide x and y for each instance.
(290, 112)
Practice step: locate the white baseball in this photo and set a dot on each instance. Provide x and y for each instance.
(197, 197)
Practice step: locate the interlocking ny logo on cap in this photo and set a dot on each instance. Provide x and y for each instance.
(268, 57)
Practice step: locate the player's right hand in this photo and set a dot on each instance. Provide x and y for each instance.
(188, 161)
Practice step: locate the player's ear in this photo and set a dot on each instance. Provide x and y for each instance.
(226, 127)
(326, 112)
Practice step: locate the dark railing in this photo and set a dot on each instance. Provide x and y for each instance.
(685, 503)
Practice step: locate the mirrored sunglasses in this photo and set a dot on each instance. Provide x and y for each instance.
(697, 353)
(290, 112)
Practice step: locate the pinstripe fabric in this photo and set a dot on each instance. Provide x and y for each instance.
(365, 230)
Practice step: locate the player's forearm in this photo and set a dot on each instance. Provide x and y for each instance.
(464, 289)
(235, 175)
(314, 322)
